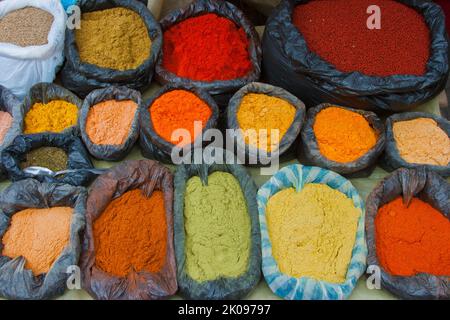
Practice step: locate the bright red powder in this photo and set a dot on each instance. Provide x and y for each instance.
(337, 31)
(206, 48)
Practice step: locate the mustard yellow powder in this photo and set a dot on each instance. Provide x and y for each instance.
(312, 232)
(422, 141)
(260, 111)
(54, 116)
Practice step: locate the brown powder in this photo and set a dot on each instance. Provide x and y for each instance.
(38, 235)
(5, 123)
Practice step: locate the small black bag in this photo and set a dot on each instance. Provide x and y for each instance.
(288, 63)
(16, 282)
(220, 90)
(222, 288)
(363, 166)
(408, 183)
(392, 159)
(155, 147)
(82, 77)
(78, 157)
(110, 152)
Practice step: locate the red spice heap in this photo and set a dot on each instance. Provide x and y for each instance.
(337, 31)
(206, 48)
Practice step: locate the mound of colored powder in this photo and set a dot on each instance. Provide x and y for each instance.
(6, 121)
(54, 116)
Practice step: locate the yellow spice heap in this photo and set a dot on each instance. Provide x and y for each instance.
(54, 116)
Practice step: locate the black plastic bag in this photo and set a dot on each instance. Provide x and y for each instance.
(245, 151)
(224, 89)
(110, 152)
(222, 288)
(408, 183)
(392, 159)
(155, 147)
(78, 158)
(289, 63)
(82, 77)
(363, 166)
(148, 176)
(92, 3)
(16, 282)
(45, 92)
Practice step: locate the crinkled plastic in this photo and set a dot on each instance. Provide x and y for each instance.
(246, 151)
(155, 147)
(289, 63)
(224, 89)
(110, 152)
(78, 158)
(148, 176)
(408, 183)
(221, 288)
(82, 77)
(305, 288)
(361, 167)
(67, 3)
(16, 282)
(392, 159)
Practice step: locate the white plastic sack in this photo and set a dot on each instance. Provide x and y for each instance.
(22, 67)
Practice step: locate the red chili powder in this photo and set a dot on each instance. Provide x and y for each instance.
(206, 48)
(337, 31)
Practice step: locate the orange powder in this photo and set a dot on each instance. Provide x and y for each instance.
(178, 109)
(109, 122)
(131, 234)
(38, 235)
(5, 124)
(343, 135)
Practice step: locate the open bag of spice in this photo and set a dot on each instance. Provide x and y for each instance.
(217, 239)
(109, 122)
(40, 227)
(128, 250)
(324, 52)
(270, 120)
(408, 234)
(312, 230)
(210, 45)
(416, 139)
(345, 140)
(117, 44)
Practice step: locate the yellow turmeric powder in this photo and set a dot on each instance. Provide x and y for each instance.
(54, 116)
(263, 112)
(343, 135)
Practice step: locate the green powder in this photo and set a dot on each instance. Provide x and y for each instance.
(217, 226)
(52, 158)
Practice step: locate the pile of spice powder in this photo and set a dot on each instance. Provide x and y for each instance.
(337, 31)
(38, 235)
(343, 135)
(207, 48)
(312, 232)
(217, 226)
(115, 38)
(131, 234)
(54, 116)
(6, 121)
(412, 239)
(178, 109)
(52, 158)
(109, 122)
(263, 112)
(422, 141)
(26, 27)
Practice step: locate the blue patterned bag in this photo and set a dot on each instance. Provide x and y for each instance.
(304, 288)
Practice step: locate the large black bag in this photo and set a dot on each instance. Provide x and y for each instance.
(392, 159)
(408, 183)
(16, 282)
(110, 152)
(148, 176)
(361, 167)
(220, 90)
(82, 77)
(78, 158)
(222, 288)
(289, 63)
